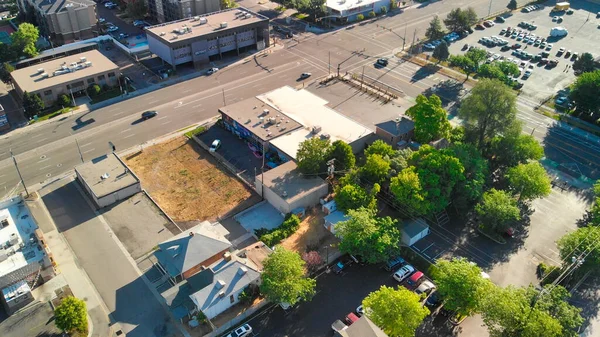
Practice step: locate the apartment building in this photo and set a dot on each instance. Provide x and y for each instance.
(171, 10)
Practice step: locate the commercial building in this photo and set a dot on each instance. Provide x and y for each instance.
(63, 21)
(204, 38)
(67, 75)
(107, 180)
(348, 10)
(165, 10)
(396, 132)
(25, 260)
(286, 189)
(278, 121)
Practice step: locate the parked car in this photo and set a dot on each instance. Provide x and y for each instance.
(404, 272)
(560, 51)
(428, 46)
(123, 35)
(480, 26)
(465, 47)
(525, 76)
(434, 300)
(415, 279)
(338, 326)
(305, 75)
(101, 20)
(112, 29)
(242, 331)
(574, 57)
(351, 318)
(489, 23)
(516, 46)
(216, 144)
(382, 61)
(505, 48)
(360, 310)
(394, 263)
(212, 71)
(425, 288)
(138, 23)
(343, 263)
(149, 114)
(110, 5)
(500, 19)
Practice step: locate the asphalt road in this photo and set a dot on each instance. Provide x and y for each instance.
(45, 151)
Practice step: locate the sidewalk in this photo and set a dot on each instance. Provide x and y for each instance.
(69, 273)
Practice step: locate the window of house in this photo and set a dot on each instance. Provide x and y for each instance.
(101, 78)
(90, 81)
(111, 74)
(47, 92)
(231, 299)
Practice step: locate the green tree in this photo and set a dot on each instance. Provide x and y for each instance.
(530, 181)
(225, 4)
(284, 279)
(360, 17)
(512, 5)
(313, 8)
(508, 68)
(584, 64)
(393, 4)
(353, 196)
(497, 210)
(381, 148)
(435, 31)
(398, 312)
(94, 90)
(581, 242)
(383, 10)
(463, 62)
(491, 70)
(441, 52)
(372, 238)
(461, 285)
(137, 9)
(375, 170)
(7, 53)
(64, 100)
(556, 303)
(312, 154)
(343, 155)
(584, 94)
(457, 135)
(489, 110)
(469, 190)
(399, 161)
(372, 14)
(431, 120)
(514, 148)
(71, 315)
(460, 20)
(477, 55)
(409, 193)
(32, 103)
(24, 39)
(5, 71)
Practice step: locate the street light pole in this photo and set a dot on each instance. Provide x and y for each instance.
(79, 149)
(19, 172)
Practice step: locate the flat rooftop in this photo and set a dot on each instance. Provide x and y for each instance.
(189, 28)
(397, 127)
(44, 75)
(55, 6)
(255, 115)
(343, 5)
(286, 178)
(313, 113)
(17, 236)
(117, 175)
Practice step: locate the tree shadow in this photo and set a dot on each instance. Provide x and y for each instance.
(424, 72)
(449, 91)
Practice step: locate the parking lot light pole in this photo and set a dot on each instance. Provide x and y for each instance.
(19, 172)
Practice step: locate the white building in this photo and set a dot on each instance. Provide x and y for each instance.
(347, 10)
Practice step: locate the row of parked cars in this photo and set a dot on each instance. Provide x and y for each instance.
(449, 38)
(531, 8)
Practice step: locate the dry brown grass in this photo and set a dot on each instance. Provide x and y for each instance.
(311, 235)
(187, 182)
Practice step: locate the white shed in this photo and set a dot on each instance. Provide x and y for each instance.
(413, 231)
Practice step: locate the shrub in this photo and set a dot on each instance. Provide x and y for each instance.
(372, 14)
(94, 90)
(547, 273)
(272, 237)
(63, 100)
(383, 10)
(360, 17)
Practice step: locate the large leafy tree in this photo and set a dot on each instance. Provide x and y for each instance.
(431, 120)
(512, 5)
(137, 9)
(374, 239)
(381, 148)
(584, 94)
(469, 190)
(508, 68)
(514, 148)
(582, 242)
(524, 312)
(477, 55)
(491, 70)
(343, 155)
(441, 52)
(375, 170)
(284, 279)
(24, 39)
(399, 161)
(459, 19)
(311, 7)
(584, 64)
(353, 196)
(32, 103)
(312, 155)
(5, 71)
(461, 285)
(409, 192)
(463, 62)
(435, 31)
(529, 181)
(71, 315)
(489, 110)
(497, 210)
(398, 312)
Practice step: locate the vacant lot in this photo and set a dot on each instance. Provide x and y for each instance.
(312, 235)
(188, 183)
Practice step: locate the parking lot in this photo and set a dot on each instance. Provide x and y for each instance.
(583, 36)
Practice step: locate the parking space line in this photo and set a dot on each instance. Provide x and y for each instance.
(90, 150)
(131, 135)
(126, 130)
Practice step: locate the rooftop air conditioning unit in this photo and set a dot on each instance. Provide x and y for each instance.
(73, 64)
(105, 176)
(266, 111)
(88, 64)
(40, 70)
(44, 75)
(162, 34)
(195, 18)
(221, 294)
(82, 59)
(223, 24)
(316, 129)
(248, 15)
(203, 21)
(325, 136)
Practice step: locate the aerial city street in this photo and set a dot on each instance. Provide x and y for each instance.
(361, 168)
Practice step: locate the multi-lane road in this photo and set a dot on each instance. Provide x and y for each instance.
(45, 151)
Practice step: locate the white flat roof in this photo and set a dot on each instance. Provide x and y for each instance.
(343, 5)
(21, 229)
(310, 110)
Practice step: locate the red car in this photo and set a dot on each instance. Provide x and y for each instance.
(351, 318)
(414, 280)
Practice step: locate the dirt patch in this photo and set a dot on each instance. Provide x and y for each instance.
(188, 183)
(311, 235)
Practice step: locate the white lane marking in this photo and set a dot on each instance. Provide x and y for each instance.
(41, 140)
(131, 135)
(167, 122)
(86, 144)
(90, 150)
(120, 113)
(152, 102)
(43, 160)
(38, 135)
(45, 167)
(126, 130)
(163, 117)
(186, 91)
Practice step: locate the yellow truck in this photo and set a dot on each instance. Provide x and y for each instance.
(561, 6)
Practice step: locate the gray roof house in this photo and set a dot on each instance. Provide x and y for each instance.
(187, 253)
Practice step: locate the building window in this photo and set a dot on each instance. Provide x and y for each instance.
(111, 74)
(90, 81)
(101, 78)
(231, 299)
(47, 92)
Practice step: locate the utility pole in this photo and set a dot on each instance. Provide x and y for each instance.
(224, 103)
(490, 8)
(19, 172)
(329, 63)
(79, 149)
(413, 41)
(72, 97)
(404, 38)
(362, 78)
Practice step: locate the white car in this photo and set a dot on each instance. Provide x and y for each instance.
(112, 29)
(549, 46)
(426, 287)
(216, 144)
(243, 331)
(404, 272)
(561, 50)
(212, 71)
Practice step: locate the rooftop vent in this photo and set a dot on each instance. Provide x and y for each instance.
(82, 59)
(242, 271)
(316, 129)
(195, 18)
(162, 34)
(44, 75)
(203, 21)
(220, 284)
(325, 136)
(284, 194)
(221, 294)
(266, 111)
(191, 234)
(105, 176)
(40, 70)
(223, 24)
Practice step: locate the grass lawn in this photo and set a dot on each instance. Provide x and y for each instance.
(53, 114)
(106, 95)
(300, 16)
(196, 131)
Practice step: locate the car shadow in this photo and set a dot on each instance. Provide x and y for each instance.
(137, 121)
